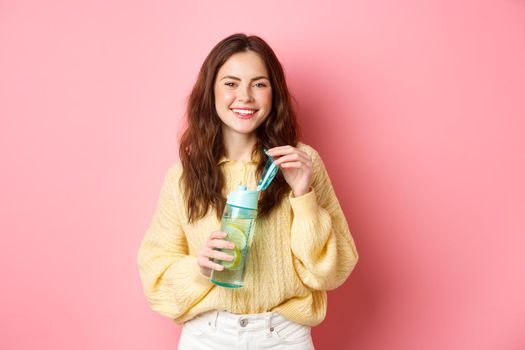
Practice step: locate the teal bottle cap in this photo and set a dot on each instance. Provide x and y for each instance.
(243, 198)
(269, 172)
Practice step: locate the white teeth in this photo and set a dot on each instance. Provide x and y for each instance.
(243, 111)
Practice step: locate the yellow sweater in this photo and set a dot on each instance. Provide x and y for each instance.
(300, 251)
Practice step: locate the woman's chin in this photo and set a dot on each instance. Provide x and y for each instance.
(245, 129)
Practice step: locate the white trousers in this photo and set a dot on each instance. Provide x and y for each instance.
(218, 330)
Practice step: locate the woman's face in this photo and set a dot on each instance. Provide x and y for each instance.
(243, 94)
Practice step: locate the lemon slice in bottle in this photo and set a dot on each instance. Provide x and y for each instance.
(236, 262)
(236, 236)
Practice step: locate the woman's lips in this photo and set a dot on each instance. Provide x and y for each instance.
(245, 115)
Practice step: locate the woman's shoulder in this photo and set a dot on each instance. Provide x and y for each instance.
(174, 171)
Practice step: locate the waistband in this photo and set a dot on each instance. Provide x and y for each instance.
(241, 322)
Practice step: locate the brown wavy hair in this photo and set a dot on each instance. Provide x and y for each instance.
(201, 144)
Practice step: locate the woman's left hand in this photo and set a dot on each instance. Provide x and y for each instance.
(296, 166)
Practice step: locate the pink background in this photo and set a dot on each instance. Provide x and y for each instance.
(417, 108)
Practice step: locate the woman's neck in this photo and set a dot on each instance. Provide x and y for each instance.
(239, 147)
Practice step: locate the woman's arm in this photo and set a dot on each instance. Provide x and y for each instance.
(171, 278)
(323, 250)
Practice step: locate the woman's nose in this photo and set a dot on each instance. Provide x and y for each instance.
(245, 94)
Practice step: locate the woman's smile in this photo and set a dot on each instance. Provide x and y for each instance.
(244, 113)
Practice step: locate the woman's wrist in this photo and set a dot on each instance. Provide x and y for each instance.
(300, 193)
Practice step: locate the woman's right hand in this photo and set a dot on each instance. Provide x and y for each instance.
(209, 252)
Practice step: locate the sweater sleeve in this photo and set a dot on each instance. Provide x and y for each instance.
(323, 249)
(171, 278)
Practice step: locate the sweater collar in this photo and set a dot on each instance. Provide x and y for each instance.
(254, 160)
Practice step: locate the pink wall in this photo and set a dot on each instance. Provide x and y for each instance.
(416, 106)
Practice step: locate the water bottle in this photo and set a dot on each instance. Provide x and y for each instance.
(238, 221)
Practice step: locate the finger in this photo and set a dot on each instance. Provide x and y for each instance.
(295, 162)
(293, 157)
(286, 151)
(216, 254)
(209, 264)
(220, 243)
(217, 234)
(303, 153)
(281, 150)
(292, 165)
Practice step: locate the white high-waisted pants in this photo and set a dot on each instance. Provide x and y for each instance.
(218, 330)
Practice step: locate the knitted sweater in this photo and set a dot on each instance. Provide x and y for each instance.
(298, 252)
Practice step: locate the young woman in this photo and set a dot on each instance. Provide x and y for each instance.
(301, 246)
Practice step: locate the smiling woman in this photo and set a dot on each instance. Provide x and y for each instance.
(242, 93)
(239, 106)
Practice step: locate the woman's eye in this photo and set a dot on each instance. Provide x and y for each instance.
(233, 84)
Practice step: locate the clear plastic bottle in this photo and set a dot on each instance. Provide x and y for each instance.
(238, 221)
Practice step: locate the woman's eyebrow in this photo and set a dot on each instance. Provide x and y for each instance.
(235, 78)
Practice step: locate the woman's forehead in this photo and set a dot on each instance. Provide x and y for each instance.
(243, 65)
